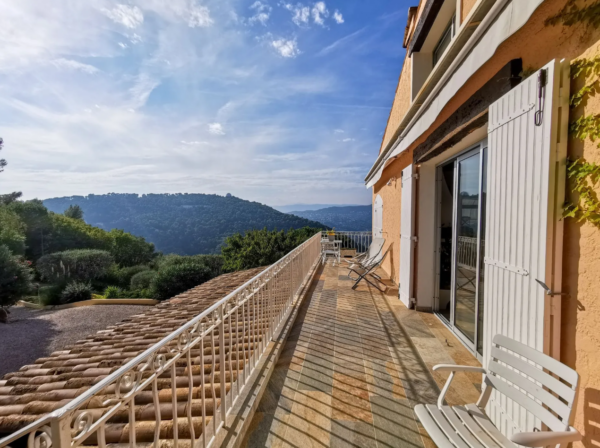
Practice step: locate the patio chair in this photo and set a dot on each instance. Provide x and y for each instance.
(366, 270)
(330, 248)
(373, 250)
(531, 379)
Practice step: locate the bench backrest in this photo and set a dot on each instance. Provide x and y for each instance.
(537, 382)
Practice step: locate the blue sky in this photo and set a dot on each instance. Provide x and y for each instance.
(267, 100)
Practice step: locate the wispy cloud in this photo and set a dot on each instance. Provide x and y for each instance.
(128, 16)
(199, 16)
(288, 48)
(300, 13)
(320, 13)
(67, 64)
(194, 143)
(338, 17)
(340, 42)
(262, 12)
(216, 129)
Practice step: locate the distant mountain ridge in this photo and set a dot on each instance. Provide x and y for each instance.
(185, 224)
(307, 207)
(351, 218)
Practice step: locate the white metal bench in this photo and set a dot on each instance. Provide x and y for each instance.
(538, 383)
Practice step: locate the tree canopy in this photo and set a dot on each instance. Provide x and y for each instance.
(74, 211)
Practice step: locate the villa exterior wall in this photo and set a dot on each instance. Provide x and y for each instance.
(401, 103)
(536, 44)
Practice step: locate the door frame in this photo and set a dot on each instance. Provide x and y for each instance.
(477, 148)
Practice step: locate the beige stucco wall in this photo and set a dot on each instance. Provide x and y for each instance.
(400, 105)
(465, 8)
(536, 44)
(392, 203)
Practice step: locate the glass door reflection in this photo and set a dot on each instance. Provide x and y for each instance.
(466, 244)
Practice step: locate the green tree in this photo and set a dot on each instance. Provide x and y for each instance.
(261, 247)
(12, 231)
(15, 277)
(38, 225)
(9, 198)
(74, 212)
(130, 250)
(68, 234)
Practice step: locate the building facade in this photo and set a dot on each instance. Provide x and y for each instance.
(470, 184)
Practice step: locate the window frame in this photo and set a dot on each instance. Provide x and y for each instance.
(450, 30)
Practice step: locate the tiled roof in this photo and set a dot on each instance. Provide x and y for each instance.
(51, 382)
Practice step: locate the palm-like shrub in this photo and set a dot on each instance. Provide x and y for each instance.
(76, 292)
(81, 264)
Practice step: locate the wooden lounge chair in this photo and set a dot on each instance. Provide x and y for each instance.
(366, 271)
(538, 383)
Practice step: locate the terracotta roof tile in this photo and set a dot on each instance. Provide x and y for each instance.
(53, 381)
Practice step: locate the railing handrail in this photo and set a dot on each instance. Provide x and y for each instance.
(76, 403)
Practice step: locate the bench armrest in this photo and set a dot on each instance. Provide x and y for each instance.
(545, 438)
(457, 368)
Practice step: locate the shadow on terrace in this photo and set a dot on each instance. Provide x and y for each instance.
(354, 365)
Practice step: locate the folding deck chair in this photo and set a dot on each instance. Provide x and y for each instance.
(373, 250)
(366, 270)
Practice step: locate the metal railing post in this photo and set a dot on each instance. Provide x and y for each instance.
(222, 358)
(60, 429)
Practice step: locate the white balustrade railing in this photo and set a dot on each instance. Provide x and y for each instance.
(216, 364)
(359, 241)
(466, 252)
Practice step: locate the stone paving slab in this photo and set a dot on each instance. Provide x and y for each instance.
(354, 365)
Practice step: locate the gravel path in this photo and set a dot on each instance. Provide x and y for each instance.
(32, 334)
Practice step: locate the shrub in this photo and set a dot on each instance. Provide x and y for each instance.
(113, 292)
(80, 264)
(121, 276)
(76, 292)
(142, 280)
(213, 262)
(261, 247)
(50, 295)
(177, 278)
(15, 277)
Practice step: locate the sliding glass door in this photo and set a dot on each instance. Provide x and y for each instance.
(461, 247)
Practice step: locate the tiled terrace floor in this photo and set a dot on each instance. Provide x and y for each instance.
(354, 365)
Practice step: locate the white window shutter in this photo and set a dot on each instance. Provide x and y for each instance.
(378, 217)
(523, 240)
(407, 235)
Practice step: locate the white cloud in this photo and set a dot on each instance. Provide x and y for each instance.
(301, 13)
(128, 16)
(288, 48)
(262, 12)
(123, 45)
(67, 64)
(346, 140)
(320, 13)
(339, 131)
(216, 129)
(199, 16)
(193, 143)
(337, 16)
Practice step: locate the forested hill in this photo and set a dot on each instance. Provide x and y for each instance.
(185, 224)
(354, 217)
